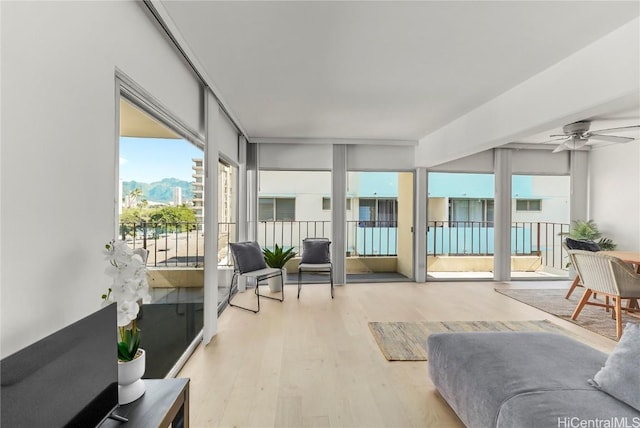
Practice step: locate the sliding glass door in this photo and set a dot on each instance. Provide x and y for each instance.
(158, 211)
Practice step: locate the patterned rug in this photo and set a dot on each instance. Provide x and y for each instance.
(552, 301)
(407, 341)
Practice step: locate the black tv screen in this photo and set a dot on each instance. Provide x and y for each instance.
(67, 379)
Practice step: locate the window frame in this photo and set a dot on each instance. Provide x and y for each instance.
(274, 208)
(528, 205)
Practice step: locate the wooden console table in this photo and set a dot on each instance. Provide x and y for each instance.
(165, 403)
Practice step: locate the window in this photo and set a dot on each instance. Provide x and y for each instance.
(528, 205)
(468, 210)
(277, 209)
(378, 212)
(326, 204)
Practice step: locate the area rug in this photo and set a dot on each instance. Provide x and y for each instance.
(552, 301)
(407, 341)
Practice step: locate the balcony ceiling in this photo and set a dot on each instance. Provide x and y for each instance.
(386, 70)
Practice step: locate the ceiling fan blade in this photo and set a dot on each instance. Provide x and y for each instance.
(564, 137)
(561, 147)
(610, 138)
(621, 128)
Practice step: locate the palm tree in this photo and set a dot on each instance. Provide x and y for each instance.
(132, 197)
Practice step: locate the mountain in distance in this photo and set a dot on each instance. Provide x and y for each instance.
(159, 191)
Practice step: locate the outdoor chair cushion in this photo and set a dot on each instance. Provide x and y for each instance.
(315, 251)
(576, 244)
(248, 256)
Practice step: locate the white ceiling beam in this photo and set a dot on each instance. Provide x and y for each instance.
(348, 141)
(599, 78)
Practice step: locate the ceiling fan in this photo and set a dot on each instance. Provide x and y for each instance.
(577, 135)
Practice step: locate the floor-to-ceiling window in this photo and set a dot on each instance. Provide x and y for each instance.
(460, 225)
(158, 211)
(379, 217)
(540, 217)
(292, 206)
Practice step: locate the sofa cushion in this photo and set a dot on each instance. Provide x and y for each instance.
(477, 372)
(620, 375)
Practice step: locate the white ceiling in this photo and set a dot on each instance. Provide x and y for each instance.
(385, 70)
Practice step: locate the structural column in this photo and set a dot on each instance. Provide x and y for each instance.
(241, 193)
(420, 225)
(252, 192)
(211, 154)
(502, 215)
(338, 213)
(578, 199)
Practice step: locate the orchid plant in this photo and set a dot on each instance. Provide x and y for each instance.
(128, 290)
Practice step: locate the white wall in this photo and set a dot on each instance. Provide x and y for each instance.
(58, 167)
(295, 156)
(366, 157)
(614, 195)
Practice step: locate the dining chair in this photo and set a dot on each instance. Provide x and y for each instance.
(316, 258)
(610, 277)
(249, 262)
(577, 244)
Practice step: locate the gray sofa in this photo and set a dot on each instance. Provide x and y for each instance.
(521, 379)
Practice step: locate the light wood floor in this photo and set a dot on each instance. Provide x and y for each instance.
(313, 362)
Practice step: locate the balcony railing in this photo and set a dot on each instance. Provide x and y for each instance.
(182, 244)
(177, 244)
(291, 233)
(474, 238)
(363, 239)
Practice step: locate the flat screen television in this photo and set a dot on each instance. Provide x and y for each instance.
(67, 379)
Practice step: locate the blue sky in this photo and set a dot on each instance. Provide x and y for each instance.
(152, 159)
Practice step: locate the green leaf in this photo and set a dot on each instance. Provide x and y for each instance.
(129, 344)
(278, 257)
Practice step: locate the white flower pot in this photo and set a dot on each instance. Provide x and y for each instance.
(130, 384)
(275, 283)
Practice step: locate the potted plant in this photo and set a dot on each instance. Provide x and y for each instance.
(277, 258)
(588, 231)
(129, 290)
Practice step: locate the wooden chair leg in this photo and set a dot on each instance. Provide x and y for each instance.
(618, 311)
(574, 284)
(581, 303)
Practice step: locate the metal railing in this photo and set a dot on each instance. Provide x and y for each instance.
(363, 238)
(476, 238)
(291, 233)
(182, 244)
(177, 244)
(372, 238)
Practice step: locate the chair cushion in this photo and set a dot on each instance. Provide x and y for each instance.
(315, 251)
(620, 376)
(576, 244)
(315, 267)
(248, 256)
